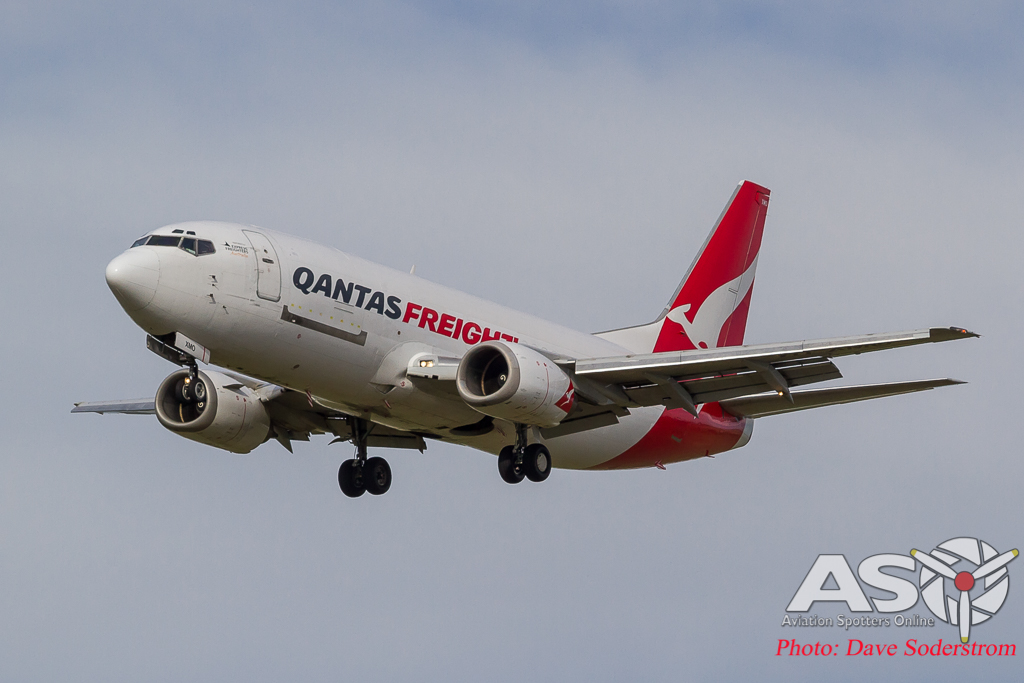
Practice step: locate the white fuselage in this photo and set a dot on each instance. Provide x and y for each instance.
(243, 303)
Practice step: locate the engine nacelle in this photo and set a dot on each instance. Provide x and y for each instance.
(513, 382)
(209, 412)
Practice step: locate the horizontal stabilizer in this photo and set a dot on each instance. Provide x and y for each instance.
(138, 406)
(773, 404)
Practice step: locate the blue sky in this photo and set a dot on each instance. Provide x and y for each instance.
(564, 159)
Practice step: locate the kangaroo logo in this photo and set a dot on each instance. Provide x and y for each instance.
(565, 403)
(706, 326)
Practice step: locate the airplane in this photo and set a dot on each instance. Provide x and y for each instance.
(298, 339)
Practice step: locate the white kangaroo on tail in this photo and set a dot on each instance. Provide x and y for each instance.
(716, 309)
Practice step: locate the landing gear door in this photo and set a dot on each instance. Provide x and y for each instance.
(268, 270)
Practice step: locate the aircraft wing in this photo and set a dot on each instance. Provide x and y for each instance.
(748, 381)
(293, 416)
(683, 379)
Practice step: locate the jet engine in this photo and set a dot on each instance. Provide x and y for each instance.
(213, 409)
(513, 382)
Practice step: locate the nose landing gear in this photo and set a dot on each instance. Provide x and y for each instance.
(521, 461)
(362, 474)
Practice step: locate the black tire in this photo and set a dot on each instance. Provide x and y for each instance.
(181, 392)
(377, 476)
(537, 462)
(351, 479)
(507, 466)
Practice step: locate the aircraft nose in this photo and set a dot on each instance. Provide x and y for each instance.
(133, 277)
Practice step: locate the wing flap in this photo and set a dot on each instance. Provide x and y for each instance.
(717, 388)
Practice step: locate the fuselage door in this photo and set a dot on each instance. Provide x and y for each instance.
(268, 270)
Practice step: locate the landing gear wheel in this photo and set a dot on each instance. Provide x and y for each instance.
(351, 478)
(507, 467)
(537, 462)
(377, 476)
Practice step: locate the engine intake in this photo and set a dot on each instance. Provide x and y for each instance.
(214, 410)
(513, 382)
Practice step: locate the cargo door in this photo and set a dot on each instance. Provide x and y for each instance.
(268, 270)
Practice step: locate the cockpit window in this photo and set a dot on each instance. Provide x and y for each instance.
(192, 245)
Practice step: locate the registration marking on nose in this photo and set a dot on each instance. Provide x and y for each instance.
(192, 348)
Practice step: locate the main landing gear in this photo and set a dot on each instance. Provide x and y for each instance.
(362, 474)
(531, 461)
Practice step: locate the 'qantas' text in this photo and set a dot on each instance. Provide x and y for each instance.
(353, 294)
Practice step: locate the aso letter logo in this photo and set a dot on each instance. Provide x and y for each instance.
(963, 581)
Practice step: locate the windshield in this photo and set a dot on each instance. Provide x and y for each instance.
(192, 245)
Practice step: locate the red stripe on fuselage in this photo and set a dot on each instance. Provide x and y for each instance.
(678, 436)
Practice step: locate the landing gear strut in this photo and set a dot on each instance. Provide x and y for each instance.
(361, 474)
(532, 461)
(193, 370)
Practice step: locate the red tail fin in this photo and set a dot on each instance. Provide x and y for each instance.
(710, 307)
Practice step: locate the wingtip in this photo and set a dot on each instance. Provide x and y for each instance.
(940, 334)
(964, 332)
(946, 381)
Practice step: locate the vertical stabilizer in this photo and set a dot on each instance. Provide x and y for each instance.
(709, 308)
